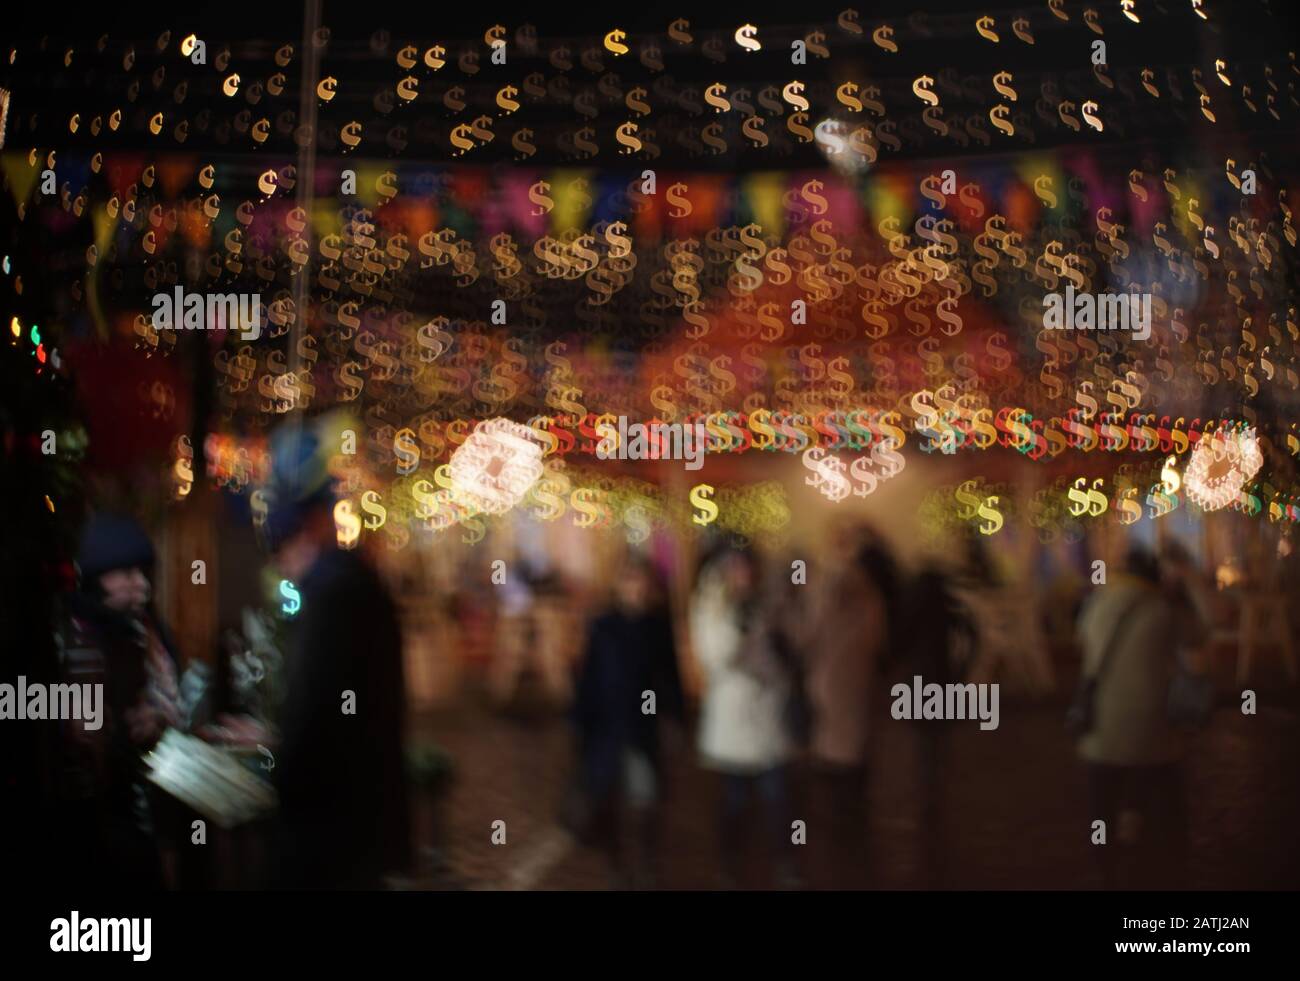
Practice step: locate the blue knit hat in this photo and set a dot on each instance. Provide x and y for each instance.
(299, 481)
(113, 541)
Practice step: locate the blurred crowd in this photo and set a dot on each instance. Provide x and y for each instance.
(787, 673)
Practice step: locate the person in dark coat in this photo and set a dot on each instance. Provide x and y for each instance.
(627, 679)
(112, 636)
(941, 641)
(343, 820)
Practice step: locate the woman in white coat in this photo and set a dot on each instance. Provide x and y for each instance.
(744, 735)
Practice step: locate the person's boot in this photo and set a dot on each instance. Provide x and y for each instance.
(729, 867)
(646, 852)
(786, 873)
(730, 844)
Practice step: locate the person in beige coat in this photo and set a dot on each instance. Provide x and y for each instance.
(842, 653)
(1133, 631)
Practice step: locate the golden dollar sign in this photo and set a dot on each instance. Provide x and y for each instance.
(708, 511)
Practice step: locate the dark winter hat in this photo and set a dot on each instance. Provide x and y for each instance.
(113, 541)
(1140, 561)
(300, 480)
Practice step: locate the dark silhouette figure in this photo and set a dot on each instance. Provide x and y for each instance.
(630, 652)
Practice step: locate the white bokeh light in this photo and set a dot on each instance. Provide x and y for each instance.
(495, 467)
(1221, 466)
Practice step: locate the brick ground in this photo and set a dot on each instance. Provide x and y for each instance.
(1012, 809)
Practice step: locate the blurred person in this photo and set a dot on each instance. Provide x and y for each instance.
(113, 637)
(533, 634)
(744, 733)
(629, 652)
(849, 634)
(1133, 633)
(979, 570)
(939, 641)
(876, 560)
(531, 637)
(343, 820)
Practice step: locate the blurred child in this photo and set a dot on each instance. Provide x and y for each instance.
(628, 678)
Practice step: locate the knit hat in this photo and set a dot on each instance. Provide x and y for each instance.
(300, 480)
(113, 541)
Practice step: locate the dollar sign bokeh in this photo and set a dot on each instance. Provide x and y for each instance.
(992, 522)
(293, 600)
(700, 498)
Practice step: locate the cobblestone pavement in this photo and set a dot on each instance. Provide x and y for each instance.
(1011, 813)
